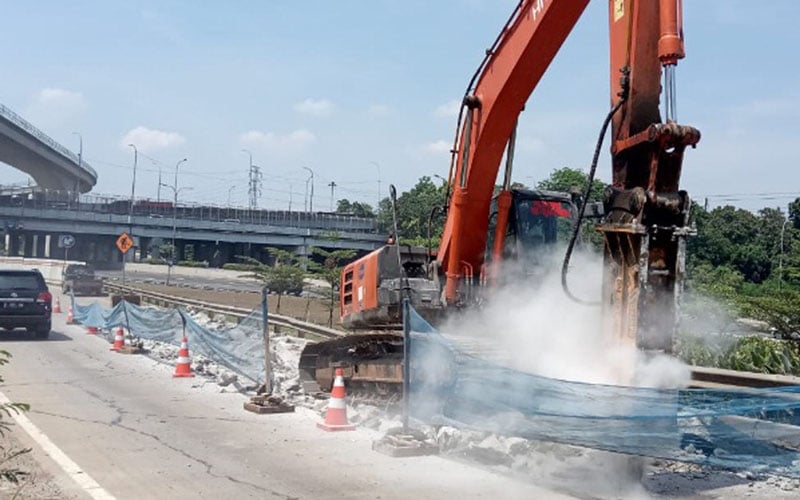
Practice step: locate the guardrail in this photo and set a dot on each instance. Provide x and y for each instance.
(303, 328)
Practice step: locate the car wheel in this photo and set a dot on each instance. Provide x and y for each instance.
(42, 332)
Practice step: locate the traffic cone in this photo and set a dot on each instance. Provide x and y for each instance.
(91, 330)
(184, 366)
(119, 340)
(57, 306)
(336, 414)
(70, 319)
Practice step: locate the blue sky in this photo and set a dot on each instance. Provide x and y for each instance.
(342, 86)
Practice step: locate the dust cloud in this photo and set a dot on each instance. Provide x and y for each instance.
(529, 324)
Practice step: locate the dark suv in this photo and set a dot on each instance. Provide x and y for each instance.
(25, 301)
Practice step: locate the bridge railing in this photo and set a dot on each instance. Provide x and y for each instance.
(39, 198)
(44, 138)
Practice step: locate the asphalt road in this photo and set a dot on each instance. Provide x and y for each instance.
(122, 427)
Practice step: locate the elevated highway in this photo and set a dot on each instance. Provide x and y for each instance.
(30, 150)
(33, 225)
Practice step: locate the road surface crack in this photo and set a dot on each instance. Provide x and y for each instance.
(208, 467)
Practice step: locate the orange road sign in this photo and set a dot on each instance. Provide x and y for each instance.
(124, 242)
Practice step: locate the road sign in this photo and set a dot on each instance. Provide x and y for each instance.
(66, 241)
(124, 242)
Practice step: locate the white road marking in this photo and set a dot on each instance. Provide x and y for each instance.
(72, 469)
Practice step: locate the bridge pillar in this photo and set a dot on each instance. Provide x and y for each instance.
(48, 240)
(8, 244)
(27, 245)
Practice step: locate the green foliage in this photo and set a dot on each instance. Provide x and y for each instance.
(236, 266)
(357, 208)
(330, 269)
(753, 354)
(286, 276)
(567, 180)
(193, 263)
(414, 210)
(7, 473)
(780, 309)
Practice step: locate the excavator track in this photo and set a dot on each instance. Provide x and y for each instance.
(372, 364)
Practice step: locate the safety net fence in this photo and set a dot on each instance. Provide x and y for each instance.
(747, 429)
(239, 348)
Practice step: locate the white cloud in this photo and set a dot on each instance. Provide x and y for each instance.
(437, 147)
(150, 140)
(278, 143)
(321, 107)
(54, 107)
(448, 110)
(378, 110)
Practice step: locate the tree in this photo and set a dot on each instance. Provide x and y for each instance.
(568, 179)
(286, 276)
(794, 213)
(330, 269)
(413, 212)
(357, 208)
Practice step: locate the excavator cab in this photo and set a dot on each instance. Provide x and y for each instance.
(539, 225)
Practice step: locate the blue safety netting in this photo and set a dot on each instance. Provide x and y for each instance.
(753, 429)
(239, 348)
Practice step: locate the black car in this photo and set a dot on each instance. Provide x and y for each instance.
(25, 301)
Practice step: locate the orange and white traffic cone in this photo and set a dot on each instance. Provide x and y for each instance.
(119, 340)
(336, 414)
(70, 319)
(57, 306)
(91, 330)
(184, 366)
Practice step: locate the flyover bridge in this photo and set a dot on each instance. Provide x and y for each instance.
(30, 150)
(34, 223)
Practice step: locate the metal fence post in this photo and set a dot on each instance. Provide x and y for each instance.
(265, 326)
(406, 368)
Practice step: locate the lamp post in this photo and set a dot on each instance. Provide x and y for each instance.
(378, 166)
(80, 161)
(311, 199)
(175, 191)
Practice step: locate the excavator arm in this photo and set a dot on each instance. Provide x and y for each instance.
(646, 225)
(494, 99)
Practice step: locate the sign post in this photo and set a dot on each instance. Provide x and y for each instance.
(124, 243)
(66, 241)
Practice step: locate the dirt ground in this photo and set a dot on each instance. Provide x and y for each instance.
(312, 310)
(37, 483)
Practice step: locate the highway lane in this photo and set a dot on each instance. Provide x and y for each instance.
(139, 433)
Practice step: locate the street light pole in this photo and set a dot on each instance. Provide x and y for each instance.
(130, 208)
(133, 182)
(378, 205)
(174, 220)
(80, 162)
(311, 199)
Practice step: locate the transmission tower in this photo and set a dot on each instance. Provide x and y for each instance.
(254, 186)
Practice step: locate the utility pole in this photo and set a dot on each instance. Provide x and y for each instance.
(130, 208)
(175, 190)
(80, 164)
(290, 197)
(332, 185)
(158, 197)
(311, 199)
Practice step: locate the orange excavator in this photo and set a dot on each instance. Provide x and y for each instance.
(645, 216)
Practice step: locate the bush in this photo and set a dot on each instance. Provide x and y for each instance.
(156, 261)
(193, 263)
(235, 266)
(752, 354)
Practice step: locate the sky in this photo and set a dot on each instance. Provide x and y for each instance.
(366, 93)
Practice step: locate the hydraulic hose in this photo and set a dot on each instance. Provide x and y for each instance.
(576, 229)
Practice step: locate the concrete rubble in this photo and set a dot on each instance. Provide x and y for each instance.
(545, 462)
